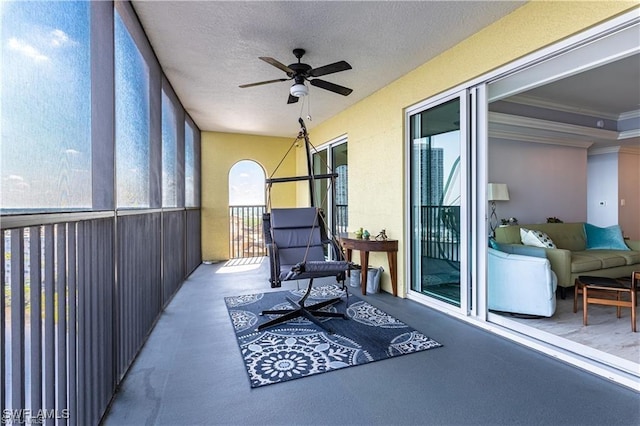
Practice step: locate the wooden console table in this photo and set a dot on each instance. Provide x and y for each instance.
(350, 242)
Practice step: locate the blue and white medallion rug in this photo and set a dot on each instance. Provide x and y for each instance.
(299, 348)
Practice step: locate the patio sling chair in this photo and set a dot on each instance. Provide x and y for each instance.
(296, 239)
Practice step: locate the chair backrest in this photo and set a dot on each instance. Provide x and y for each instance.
(297, 234)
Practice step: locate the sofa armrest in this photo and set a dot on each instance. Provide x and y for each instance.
(633, 245)
(521, 284)
(560, 260)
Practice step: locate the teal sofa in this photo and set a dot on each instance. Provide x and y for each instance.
(571, 257)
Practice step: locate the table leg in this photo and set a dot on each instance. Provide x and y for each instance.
(585, 295)
(634, 301)
(364, 261)
(392, 257)
(348, 254)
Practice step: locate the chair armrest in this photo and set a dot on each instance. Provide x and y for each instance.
(633, 245)
(274, 264)
(560, 260)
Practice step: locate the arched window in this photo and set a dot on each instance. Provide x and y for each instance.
(246, 207)
(246, 184)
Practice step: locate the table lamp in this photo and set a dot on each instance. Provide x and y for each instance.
(496, 192)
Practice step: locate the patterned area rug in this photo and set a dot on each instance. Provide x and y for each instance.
(299, 348)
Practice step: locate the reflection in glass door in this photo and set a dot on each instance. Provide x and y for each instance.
(320, 161)
(438, 176)
(333, 159)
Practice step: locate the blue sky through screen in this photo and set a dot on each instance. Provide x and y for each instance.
(45, 115)
(246, 184)
(169, 148)
(132, 120)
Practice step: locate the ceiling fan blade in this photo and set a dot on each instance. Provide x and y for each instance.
(263, 82)
(277, 64)
(330, 69)
(292, 99)
(344, 91)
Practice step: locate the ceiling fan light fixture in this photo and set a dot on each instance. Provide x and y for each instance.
(299, 90)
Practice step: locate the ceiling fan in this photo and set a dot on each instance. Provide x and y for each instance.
(300, 73)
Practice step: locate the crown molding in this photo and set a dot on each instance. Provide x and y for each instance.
(544, 131)
(633, 150)
(518, 136)
(629, 114)
(615, 150)
(629, 134)
(604, 150)
(556, 106)
(547, 104)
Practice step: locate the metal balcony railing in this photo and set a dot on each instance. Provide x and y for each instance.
(342, 217)
(68, 333)
(440, 232)
(245, 231)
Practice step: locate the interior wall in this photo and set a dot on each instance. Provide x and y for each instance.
(629, 191)
(602, 189)
(543, 180)
(220, 151)
(375, 125)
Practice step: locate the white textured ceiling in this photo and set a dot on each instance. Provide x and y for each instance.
(208, 48)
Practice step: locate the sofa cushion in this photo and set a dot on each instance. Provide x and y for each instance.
(632, 257)
(612, 258)
(608, 258)
(609, 238)
(536, 238)
(582, 263)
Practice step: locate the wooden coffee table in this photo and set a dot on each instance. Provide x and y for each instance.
(607, 291)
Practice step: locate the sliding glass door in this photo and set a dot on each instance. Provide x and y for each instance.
(439, 200)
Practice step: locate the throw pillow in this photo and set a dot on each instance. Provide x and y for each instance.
(493, 244)
(530, 237)
(609, 238)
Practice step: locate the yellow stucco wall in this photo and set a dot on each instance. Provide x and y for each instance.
(220, 151)
(375, 126)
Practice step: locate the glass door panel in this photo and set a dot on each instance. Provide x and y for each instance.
(339, 164)
(332, 158)
(437, 188)
(319, 160)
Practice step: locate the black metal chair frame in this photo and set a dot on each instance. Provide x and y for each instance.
(305, 269)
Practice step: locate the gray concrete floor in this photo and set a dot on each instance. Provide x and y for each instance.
(190, 372)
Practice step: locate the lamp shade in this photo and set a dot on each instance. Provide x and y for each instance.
(498, 192)
(299, 90)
